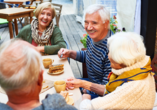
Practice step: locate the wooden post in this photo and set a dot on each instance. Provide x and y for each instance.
(10, 29)
(31, 15)
(16, 27)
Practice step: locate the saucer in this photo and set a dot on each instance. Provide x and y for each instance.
(56, 72)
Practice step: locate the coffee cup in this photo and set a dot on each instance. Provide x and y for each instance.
(59, 86)
(47, 62)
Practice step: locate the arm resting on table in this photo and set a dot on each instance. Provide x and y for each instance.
(97, 88)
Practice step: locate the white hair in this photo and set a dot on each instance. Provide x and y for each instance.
(20, 65)
(126, 48)
(103, 12)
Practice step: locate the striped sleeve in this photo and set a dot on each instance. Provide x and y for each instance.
(106, 66)
(81, 56)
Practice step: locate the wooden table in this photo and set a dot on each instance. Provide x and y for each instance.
(20, 2)
(77, 97)
(14, 13)
(67, 73)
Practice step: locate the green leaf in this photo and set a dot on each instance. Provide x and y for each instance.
(84, 41)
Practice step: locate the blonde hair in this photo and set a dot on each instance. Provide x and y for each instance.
(43, 6)
(126, 48)
(103, 12)
(20, 65)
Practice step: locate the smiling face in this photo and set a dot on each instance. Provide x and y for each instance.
(44, 18)
(95, 27)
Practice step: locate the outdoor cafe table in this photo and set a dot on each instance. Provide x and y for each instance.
(77, 97)
(14, 13)
(20, 2)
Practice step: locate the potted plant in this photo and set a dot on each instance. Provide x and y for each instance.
(84, 40)
(113, 26)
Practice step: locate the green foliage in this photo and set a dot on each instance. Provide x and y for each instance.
(113, 26)
(84, 40)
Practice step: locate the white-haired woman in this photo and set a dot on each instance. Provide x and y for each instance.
(131, 82)
(42, 32)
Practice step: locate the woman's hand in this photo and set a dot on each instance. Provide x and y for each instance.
(40, 48)
(63, 53)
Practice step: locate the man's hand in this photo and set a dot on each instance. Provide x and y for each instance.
(86, 96)
(72, 83)
(64, 53)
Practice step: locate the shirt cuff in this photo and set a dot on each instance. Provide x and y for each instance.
(78, 56)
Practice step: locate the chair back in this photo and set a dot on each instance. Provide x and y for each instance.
(58, 9)
(154, 63)
(2, 5)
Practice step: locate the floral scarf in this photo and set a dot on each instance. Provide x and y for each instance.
(45, 37)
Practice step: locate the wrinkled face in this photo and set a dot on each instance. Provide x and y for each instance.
(95, 27)
(45, 17)
(115, 65)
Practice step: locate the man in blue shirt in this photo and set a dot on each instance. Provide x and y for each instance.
(96, 56)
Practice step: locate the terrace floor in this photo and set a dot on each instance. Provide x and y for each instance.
(72, 32)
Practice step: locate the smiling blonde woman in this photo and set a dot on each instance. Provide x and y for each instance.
(42, 33)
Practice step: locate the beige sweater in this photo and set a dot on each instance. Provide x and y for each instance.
(132, 95)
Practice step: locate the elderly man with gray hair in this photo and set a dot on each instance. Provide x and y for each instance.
(97, 23)
(21, 76)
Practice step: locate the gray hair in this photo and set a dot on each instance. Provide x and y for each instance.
(126, 48)
(103, 12)
(20, 65)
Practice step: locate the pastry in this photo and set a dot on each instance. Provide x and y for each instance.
(65, 94)
(56, 68)
(45, 87)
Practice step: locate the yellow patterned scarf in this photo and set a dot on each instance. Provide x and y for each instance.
(132, 75)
